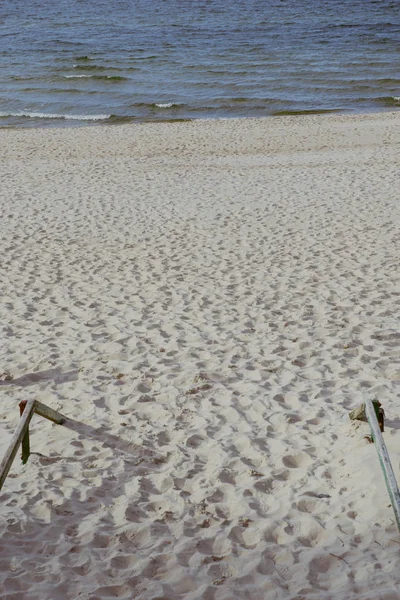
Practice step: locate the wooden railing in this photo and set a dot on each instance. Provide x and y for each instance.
(30, 407)
(21, 435)
(384, 459)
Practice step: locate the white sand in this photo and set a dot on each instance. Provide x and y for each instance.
(207, 301)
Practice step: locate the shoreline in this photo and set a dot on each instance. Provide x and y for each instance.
(114, 121)
(206, 302)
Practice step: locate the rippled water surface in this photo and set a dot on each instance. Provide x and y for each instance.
(80, 62)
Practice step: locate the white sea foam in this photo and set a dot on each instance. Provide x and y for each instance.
(397, 98)
(76, 76)
(38, 115)
(167, 105)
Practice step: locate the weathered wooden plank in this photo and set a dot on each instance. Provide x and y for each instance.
(16, 440)
(49, 413)
(384, 459)
(26, 447)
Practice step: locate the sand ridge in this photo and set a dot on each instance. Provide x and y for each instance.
(206, 301)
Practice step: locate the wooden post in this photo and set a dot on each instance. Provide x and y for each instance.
(384, 459)
(26, 450)
(21, 435)
(16, 440)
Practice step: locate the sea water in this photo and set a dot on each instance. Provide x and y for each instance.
(75, 62)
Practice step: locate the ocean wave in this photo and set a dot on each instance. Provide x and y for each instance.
(62, 90)
(388, 101)
(156, 105)
(38, 115)
(76, 76)
(305, 112)
(90, 67)
(98, 77)
(165, 105)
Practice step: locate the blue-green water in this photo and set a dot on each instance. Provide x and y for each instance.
(83, 62)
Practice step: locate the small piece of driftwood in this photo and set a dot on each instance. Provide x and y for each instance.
(359, 414)
(21, 434)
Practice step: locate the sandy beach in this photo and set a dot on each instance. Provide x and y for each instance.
(206, 302)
